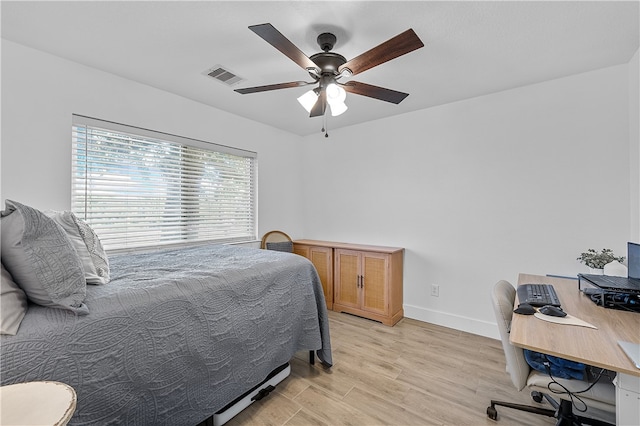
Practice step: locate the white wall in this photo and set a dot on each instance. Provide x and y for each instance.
(479, 190)
(634, 145)
(40, 92)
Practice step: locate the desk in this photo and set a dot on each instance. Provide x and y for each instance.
(594, 347)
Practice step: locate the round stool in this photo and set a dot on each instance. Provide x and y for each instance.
(37, 403)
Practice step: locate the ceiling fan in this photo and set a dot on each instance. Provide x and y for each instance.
(327, 67)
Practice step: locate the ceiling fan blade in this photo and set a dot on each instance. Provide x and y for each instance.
(273, 87)
(399, 45)
(320, 106)
(376, 92)
(283, 44)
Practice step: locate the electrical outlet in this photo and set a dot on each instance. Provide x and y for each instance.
(435, 290)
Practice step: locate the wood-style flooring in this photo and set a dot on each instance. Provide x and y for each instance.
(414, 373)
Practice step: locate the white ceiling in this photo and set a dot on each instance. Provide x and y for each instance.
(471, 48)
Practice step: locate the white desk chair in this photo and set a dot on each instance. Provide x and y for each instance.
(600, 397)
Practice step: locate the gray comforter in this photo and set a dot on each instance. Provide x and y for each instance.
(176, 334)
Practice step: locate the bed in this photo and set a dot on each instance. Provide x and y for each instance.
(175, 335)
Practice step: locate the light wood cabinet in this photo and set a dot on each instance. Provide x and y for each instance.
(366, 280)
(322, 259)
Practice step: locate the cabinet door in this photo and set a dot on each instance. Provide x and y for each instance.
(375, 269)
(322, 259)
(301, 250)
(347, 278)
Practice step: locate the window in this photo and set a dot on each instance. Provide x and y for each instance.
(140, 188)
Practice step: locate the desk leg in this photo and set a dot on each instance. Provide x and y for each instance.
(627, 399)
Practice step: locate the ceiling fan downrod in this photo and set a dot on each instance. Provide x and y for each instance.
(326, 41)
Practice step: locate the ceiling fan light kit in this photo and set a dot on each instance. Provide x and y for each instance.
(327, 67)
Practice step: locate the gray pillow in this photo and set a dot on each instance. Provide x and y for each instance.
(13, 304)
(41, 259)
(281, 246)
(87, 244)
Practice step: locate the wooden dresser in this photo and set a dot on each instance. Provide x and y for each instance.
(359, 279)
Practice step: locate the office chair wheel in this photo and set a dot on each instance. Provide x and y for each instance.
(492, 413)
(537, 396)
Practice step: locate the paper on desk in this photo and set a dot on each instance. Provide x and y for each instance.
(568, 320)
(632, 350)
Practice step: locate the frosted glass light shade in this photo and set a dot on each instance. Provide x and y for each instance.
(335, 94)
(308, 100)
(337, 108)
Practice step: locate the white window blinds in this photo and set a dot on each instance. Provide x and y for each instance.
(140, 188)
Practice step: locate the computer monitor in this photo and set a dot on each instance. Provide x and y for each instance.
(633, 261)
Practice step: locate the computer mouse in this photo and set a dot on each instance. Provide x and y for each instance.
(525, 309)
(553, 311)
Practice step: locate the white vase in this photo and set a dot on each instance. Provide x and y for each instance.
(596, 271)
(615, 269)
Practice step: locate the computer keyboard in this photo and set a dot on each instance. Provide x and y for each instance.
(538, 294)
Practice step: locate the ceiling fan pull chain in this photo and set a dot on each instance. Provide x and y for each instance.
(324, 126)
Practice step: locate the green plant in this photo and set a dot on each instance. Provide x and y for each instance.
(596, 260)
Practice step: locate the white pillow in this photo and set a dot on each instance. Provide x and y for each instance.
(87, 244)
(41, 259)
(13, 304)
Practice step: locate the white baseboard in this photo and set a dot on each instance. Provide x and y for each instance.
(457, 322)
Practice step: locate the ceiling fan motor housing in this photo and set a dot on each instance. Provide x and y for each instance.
(328, 62)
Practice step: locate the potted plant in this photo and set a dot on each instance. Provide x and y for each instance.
(596, 261)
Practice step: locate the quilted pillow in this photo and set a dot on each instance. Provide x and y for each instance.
(41, 259)
(87, 244)
(13, 304)
(281, 246)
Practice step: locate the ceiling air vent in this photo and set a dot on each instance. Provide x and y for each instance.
(223, 75)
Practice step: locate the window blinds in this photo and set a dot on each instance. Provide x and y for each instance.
(140, 188)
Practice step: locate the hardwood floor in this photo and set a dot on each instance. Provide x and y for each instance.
(414, 373)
